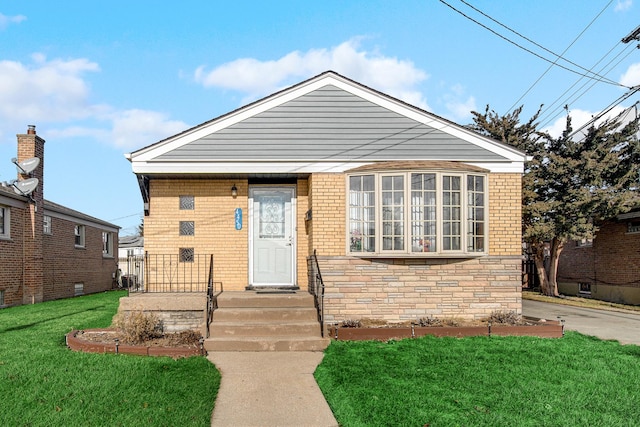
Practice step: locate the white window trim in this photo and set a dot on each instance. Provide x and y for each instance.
(46, 220)
(108, 253)
(439, 253)
(7, 223)
(82, 235)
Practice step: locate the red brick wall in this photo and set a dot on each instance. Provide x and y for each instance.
(11, 260)
(65, 265)
(612, 261)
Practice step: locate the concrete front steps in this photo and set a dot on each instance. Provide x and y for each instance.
(255, 321)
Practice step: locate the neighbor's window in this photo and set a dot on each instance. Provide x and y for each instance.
(584, 243)
(187, 203)
(417, 213)
(186, 254)
(107, 243)
(4, 222)
(78, 289)
(584, 288)
(2, 297)
(187, 228)
(79, 233)
(46, 224)
(633, 227)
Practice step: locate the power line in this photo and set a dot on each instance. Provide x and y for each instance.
(590, 75)
(551, 114)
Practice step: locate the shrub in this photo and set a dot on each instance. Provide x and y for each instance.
(137, 327)
(351, 323)
(504, 318)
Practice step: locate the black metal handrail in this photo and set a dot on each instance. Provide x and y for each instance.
(212, 296)
(318, 290)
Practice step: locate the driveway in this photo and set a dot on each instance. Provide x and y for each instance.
(609, 325)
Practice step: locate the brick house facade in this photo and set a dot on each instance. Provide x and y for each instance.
(48, 251)
(608, 267)
(409, 215)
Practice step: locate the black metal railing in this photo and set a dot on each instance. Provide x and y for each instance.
(170, 273)
(317, 288)
(212, 295)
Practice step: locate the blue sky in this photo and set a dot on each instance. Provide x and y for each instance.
(101, 79)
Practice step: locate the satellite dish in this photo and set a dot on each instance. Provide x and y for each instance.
(25, 187)
(28, 165)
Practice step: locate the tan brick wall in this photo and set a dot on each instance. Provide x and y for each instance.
(408, 289)
(505, 214)
(302, 240)
(328, 235)
(214, 222)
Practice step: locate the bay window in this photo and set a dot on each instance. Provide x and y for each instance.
(417, 213)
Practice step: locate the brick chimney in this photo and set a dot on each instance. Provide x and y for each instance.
(30, 145)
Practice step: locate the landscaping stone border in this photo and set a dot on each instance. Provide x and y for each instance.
(542, 329)
(77, 344)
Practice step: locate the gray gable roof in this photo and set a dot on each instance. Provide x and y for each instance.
(328, 119)
(329, 123)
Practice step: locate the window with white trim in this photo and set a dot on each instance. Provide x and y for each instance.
(417, 213)
(46, 224)
(79, 236)
(5, 216)
(107, 244)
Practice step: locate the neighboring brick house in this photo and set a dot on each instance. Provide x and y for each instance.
(607, 267)
(48, 251)
(410, 215)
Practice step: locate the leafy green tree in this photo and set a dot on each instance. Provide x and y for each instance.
(569, 184)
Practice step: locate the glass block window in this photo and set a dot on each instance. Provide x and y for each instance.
(187, 203)
(186, 254)
(187, 228)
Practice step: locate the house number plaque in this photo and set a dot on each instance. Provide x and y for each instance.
(238, 217)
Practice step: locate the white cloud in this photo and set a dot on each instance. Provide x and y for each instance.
(44, 91)
(6, 20)
(632, 76)
(623, 5)
(55, 93)
(459, 104)
(257, 78)
(139, 128)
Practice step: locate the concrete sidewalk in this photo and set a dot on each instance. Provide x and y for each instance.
(269, 389)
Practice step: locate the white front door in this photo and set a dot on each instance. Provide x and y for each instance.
(272, 236)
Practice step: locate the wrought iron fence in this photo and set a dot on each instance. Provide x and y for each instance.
(166, 273)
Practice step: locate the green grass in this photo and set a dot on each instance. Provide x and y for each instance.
(499, 381)
(42, 383)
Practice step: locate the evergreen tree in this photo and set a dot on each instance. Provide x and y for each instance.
(569, 184)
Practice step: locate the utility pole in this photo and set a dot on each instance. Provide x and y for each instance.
(633, 35)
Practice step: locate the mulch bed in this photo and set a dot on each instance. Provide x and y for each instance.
(111, 341)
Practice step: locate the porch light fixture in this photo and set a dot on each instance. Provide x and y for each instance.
(234, 191)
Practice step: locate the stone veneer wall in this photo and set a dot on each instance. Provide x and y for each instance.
(408, 289)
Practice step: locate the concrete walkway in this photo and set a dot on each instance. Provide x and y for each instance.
(269, 389)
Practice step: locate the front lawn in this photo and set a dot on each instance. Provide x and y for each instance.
(42, 383)
(499, 381)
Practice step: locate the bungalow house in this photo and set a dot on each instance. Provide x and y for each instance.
(401, 213)
(48, 251)
(606, 267)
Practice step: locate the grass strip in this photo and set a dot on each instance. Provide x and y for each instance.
(42, 383)
(480, 381)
